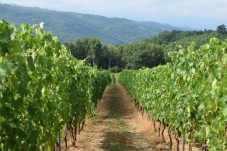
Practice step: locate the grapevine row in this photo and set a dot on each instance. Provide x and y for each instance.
(43, 88)
(189, 95)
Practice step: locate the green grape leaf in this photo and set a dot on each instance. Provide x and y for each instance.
(225, 111)
(5, 69)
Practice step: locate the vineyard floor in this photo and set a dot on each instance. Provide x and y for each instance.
(119, 126)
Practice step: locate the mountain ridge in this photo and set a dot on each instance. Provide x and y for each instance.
(69, 26)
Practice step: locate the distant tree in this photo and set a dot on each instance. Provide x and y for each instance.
(130, 55)
(110, 57)
(143, 54)
(94, 50)
(152, 56)
(89, 48)
(221, 29)
(146, 53)
(111, 52)
(79, 48)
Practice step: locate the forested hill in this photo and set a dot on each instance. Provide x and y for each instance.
(69, 26)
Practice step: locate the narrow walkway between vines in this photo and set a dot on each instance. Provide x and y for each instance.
(118, 126)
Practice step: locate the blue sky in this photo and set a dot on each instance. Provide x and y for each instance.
(197, 14)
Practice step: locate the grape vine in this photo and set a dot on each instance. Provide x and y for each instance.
(189, 95)
(43, 88)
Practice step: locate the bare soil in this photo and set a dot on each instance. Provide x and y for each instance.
(119, 126)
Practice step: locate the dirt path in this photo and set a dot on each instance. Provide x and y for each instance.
(118, 126)
(115, 126)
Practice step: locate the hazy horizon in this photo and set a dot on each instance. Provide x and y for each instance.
(196, 14)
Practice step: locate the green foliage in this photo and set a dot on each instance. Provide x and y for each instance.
(146, 53)
(42, 88)
(91, 50)
(171, 40)
(189, 94)
(115, 58)
(86, 48)
(142, 54)
(111, 58)
(222, 29)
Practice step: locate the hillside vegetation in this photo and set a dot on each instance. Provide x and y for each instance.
(69, 26)
(146, 53)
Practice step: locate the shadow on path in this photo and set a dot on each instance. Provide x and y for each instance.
(120, 136)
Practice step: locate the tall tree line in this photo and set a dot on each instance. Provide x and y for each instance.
(116, 58)
(146, 53)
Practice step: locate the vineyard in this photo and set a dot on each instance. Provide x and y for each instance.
(43, 88)
(188, 95)
(45, 92)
